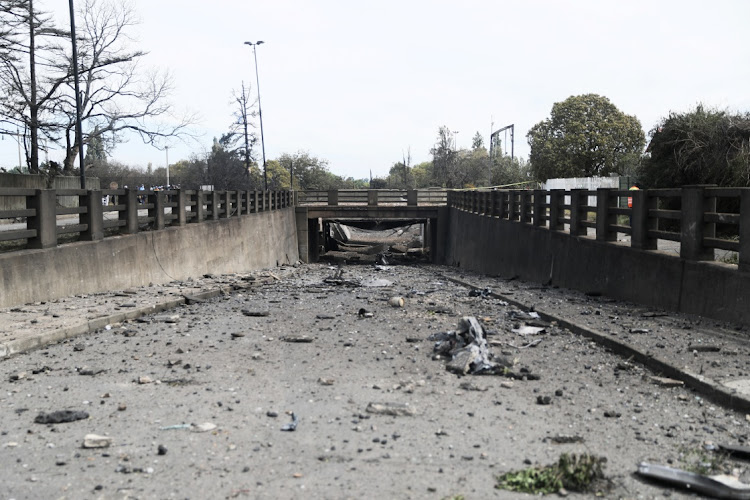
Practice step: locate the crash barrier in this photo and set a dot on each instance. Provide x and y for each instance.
(373, 197)
(111, 212)
(556, 237)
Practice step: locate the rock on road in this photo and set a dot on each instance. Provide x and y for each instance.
(193, 402)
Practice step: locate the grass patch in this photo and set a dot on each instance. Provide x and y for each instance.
(572, 472)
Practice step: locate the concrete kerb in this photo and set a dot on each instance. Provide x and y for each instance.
(22, 345)
(708, 388)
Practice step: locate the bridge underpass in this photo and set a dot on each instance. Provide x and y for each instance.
(315, 212)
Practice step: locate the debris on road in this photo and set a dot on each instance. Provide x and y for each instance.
(396, 302)
(719, 486)
(291, 426)
(297, 339)
(96, 441)
(255, 314)
(468, 349)
(391, 409)
(667, 382)
(60, 417)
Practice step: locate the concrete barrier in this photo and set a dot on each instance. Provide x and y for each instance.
(650, 277)
(237, 244)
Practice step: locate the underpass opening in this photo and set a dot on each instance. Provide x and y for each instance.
(369, 241)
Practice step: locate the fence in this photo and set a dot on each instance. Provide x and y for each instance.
(689, 216)
(47, 223)
(373, 197)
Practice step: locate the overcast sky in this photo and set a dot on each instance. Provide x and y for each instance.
(361, 83)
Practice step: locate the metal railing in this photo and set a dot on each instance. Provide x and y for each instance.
(700, 218)
(45, 222)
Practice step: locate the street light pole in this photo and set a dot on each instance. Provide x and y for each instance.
(260, 112)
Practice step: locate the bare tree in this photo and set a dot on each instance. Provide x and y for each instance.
(117, 98)
(241, 124)
(29, 41)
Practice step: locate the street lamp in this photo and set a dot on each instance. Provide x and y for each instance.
(260, 111)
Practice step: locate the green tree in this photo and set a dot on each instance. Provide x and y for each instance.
(422, 173)
(584, 136)
(702, 146)
(309, 172)
(444, 157)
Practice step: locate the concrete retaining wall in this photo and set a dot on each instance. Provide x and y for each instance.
(504, 248)
(254, 241)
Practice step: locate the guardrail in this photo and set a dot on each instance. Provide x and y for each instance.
(690, 215)
(373, 197)
(45, 223)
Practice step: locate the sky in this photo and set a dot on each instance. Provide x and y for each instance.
(364, 84)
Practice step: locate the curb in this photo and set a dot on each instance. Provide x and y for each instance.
(20, 346)
(708, 388)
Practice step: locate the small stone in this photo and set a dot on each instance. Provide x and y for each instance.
(272, 414)
(161, 450)
(543, 400)
(79, 347)
(122, 407)
(506, 385)
(237, 335)
(325, 381)
(145, 380)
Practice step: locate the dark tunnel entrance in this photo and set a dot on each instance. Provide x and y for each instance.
(375, 241)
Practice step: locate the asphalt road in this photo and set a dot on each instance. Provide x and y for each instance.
(195, 400)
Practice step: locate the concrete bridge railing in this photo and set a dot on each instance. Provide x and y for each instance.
(112, 212)
(701, 219)
(373, 197)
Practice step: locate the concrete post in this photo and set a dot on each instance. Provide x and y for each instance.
(744, 257)
(333, 197)
(255, 202)
(502, 209)
(130, 214)
(94, 216)
(576, 200)
(372, 198)
(44, 202)
(303, 236)
(214, 197)
(523, 206)
(492, 209)
(539, 198)
(412, 197)
(640, 223)
(226, 203)
(181, 203)
(200, 212)
(157, 212)
(556, 197)
(692, 227)
(313, 240)
(605, 219)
